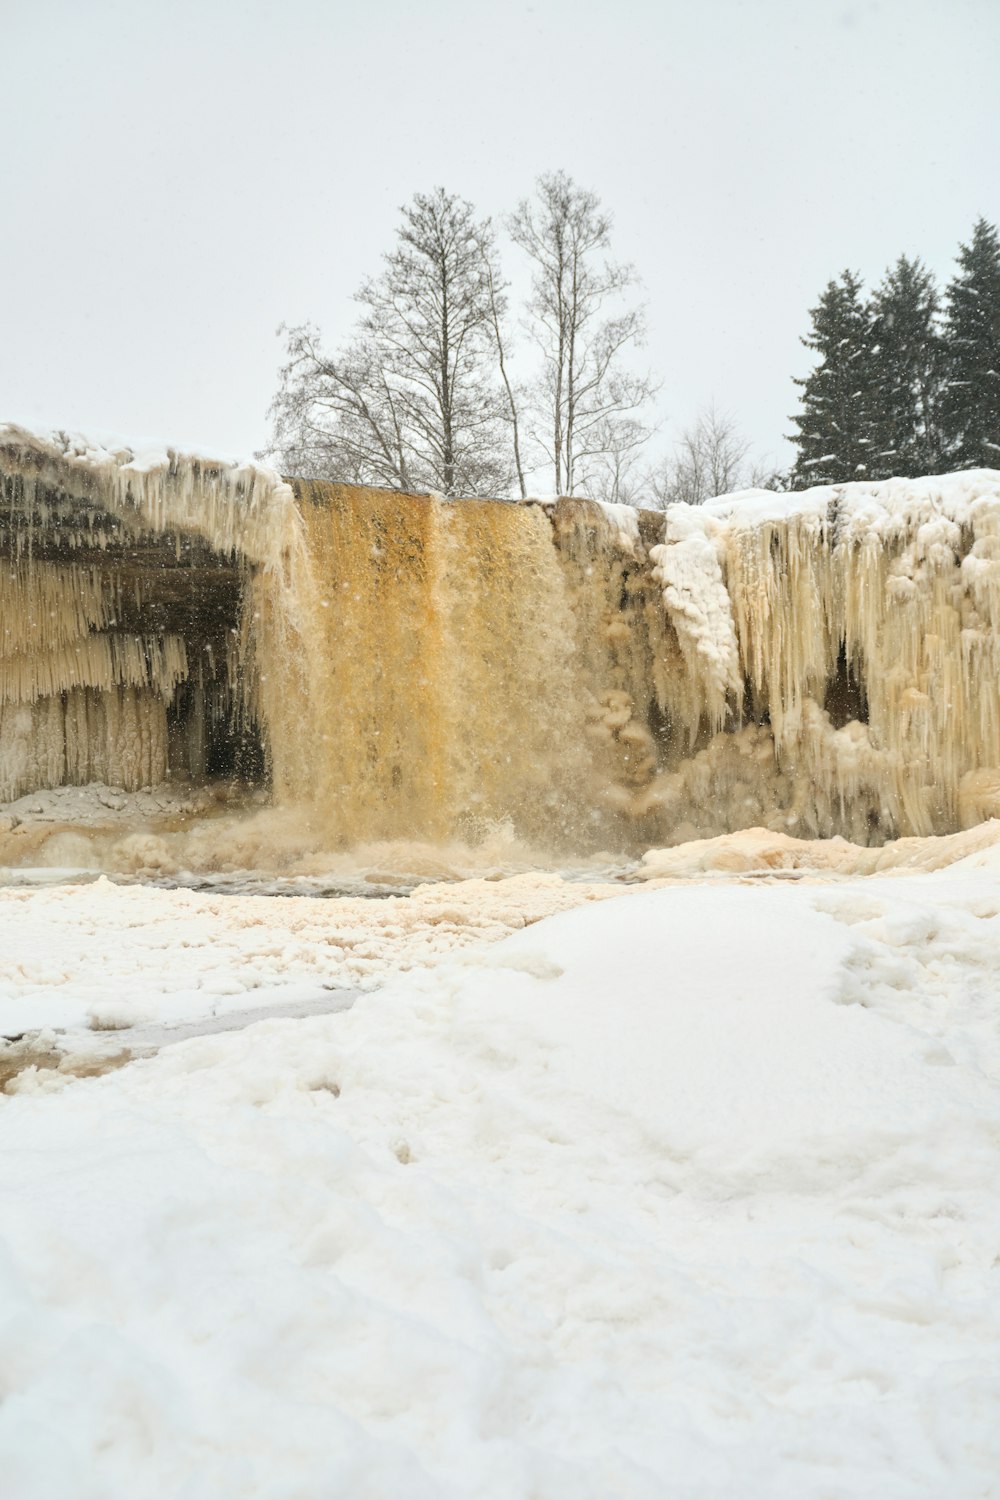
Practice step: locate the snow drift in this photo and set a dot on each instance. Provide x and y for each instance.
(690, 1193)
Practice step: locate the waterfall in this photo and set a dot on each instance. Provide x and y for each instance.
(398, 666)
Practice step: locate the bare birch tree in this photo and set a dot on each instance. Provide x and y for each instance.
(413, 401)
(498, 308)
(586, 386)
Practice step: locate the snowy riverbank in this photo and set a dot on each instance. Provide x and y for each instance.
(690, 1192)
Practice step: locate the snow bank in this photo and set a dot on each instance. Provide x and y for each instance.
(687, 1193)
(759, 851)
(77, 953)
(72, 953)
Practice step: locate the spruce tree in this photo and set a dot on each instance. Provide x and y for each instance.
(971, 406)
(906, 374)
(835, 436)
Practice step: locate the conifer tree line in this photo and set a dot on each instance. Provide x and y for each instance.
(447, 385)
(906, 383)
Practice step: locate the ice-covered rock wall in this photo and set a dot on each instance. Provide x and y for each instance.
(860, 624)
(123, 579)
(816, 663)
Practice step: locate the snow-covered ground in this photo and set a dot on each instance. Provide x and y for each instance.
(688, 1193)
(109, 956)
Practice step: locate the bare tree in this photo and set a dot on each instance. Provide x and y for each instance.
(413, 401)
(585, 387)
(612, 470)
(711, 457)
(337, 417)
(498, 307)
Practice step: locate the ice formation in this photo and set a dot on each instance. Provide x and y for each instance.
(405, 667)
(867, 618)
(124, 620)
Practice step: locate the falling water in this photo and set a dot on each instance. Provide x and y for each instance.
(397, 666)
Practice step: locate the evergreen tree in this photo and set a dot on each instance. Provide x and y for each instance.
(906, 370)
(835, 437)
(971, 408)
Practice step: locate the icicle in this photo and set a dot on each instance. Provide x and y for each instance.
(65, 494)
(47, 606)
(118, 737)
(897, 582)
(98, 661)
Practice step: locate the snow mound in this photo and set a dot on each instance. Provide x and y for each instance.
(762, 851)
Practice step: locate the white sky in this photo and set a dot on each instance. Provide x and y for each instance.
(176, 179)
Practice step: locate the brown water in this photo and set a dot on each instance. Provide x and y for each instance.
(556, 681)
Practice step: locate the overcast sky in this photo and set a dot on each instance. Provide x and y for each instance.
(177, 179)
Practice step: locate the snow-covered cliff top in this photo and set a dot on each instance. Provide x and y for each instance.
(867, 502)
(105, 450)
